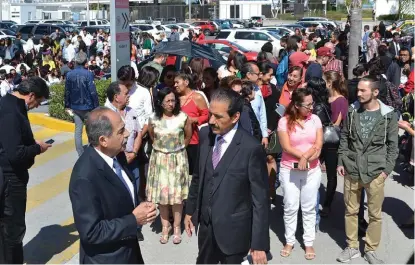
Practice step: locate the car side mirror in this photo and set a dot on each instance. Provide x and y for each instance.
(270, 40)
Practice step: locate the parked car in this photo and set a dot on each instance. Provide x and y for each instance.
(292, 26)
(251, 39)
(154, 30)
(282, 31)
(166, 30)
(225, 47)
(188, 26)
(7, 32)
(39, 30)
(207, 27)
(239, 23)
(7, 24)
(312, 19)
(257, 21)
(32, 22)
(93, 22)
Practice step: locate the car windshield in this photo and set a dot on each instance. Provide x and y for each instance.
(274, 34)
(184, 26)
(8, 32)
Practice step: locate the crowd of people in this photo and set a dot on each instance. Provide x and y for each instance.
(213, 145)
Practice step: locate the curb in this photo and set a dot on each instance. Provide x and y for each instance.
(45, 120)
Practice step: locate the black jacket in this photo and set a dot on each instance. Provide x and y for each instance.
(17, 145)
(352, 88)
(239, 205)
(102, 209)
(323, 111)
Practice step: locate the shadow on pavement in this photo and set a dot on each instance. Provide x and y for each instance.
(49, 241)
(333, 225)
(400, 213)
(403, 177)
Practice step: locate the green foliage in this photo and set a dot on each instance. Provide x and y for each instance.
(57, 105)
(394, 17)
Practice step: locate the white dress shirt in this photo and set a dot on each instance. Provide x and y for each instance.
(110, 162)
(228, 139)
(141, 101)
(5, 88)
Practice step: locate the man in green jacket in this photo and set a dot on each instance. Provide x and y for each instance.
(367, 155)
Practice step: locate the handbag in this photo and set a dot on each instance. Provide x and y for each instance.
(331, 132)
(274, 145)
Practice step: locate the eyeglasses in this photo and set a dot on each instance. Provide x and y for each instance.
(308, 106)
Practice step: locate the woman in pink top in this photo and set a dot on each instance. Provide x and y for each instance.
(301, 136)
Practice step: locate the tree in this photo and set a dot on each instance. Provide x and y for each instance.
(355, 12)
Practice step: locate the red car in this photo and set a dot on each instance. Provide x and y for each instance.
(207, 27)
(225, 47)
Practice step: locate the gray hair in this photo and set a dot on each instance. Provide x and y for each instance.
(81, 58)
(98, 124)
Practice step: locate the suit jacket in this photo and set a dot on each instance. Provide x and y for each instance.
(102, 209)
(240, 203)
(392, 50)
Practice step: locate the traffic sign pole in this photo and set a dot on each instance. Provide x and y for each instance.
(120, 35)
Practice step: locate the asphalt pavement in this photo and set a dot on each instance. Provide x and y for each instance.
(52, 238)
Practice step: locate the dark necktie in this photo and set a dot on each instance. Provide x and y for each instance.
(216, 155)
(118, 171)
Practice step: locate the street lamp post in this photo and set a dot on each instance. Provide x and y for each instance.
(87, 13)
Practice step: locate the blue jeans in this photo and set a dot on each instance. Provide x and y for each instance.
(133, 167)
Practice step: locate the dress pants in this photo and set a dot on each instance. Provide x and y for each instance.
(352, 199)
(12, 219)
(300, 189)
(209, 252)
(79, 119)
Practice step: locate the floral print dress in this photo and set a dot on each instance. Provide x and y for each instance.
(168, 177)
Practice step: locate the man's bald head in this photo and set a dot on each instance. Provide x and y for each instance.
(98, 123)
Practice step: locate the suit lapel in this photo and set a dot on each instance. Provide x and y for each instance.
(226, 159)
(109, 173)
(205, 154)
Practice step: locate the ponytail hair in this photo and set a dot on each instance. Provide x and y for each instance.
(337, 82)
(291, 113)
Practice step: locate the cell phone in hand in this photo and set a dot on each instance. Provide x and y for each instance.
(50, 141)
(295, 165)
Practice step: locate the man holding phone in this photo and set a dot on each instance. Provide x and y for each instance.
(18, 150)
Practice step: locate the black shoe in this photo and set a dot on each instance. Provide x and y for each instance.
(140, 236)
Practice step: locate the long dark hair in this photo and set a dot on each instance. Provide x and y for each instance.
(148, 76)
(319, 90)
(292, 113)
(158, 103)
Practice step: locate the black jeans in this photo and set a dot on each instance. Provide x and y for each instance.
(330, 157)
(12, 219)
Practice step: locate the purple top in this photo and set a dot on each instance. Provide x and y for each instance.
(339, 105)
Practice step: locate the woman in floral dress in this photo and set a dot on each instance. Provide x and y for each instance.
(168, 174)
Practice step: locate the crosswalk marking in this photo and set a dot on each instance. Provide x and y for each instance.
(53, 176)
(70, 251)
(56, 150)
(48, 189)
(45, 134)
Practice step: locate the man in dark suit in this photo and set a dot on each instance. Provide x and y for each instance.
(103, 196)
(394, 46)
(228, 195)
